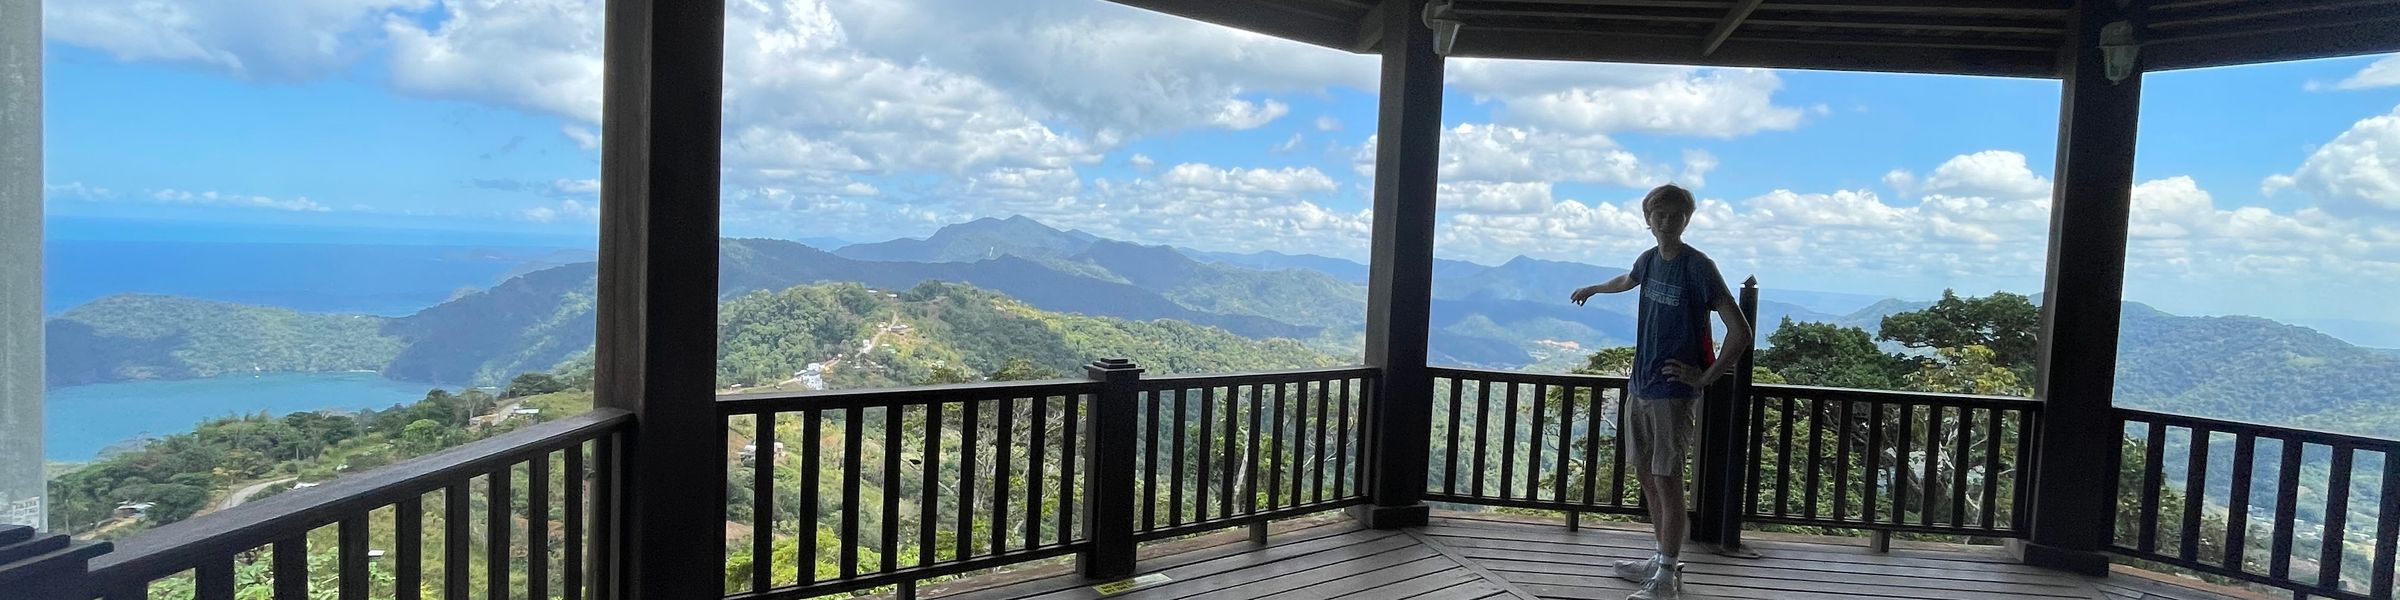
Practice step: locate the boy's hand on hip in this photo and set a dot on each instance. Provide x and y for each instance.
(1684, 372)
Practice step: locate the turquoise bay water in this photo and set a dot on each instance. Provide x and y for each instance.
(79, 421)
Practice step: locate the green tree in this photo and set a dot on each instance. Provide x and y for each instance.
(424, 436)
(2006, 323)
(1617, 361)
(1021, 369)
(1824, 354)
(530, 384)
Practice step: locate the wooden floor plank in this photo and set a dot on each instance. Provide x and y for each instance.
(1620, 541)
(1472, 590)
(1919, 576)
(1222, 573)
(1416, 587)
(1359, 581)
(1757, 579)
(1279, 580)
(1209, 561)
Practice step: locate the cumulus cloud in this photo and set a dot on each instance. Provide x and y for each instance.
(1496, 153)
(1612, 98)
(538, 55)
(270, 40)
(2356, 173)
(1328, 123)
(2381, 73)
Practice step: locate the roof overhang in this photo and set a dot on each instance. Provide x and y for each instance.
(2013, 38)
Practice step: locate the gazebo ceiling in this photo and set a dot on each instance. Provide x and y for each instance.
(2020, 38)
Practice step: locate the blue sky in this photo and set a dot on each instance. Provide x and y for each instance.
(2271, 190)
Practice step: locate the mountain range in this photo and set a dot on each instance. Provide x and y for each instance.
(1512, 315)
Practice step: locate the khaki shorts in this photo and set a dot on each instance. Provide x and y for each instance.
(1658, 434)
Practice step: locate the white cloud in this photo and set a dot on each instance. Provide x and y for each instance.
(539, 55)
(212, 198)
(1143, 162)
(1482, 152)
(274, 40)
(1287, 146)
(2356, 173)
(1286, 182)
(76, 190)
(584, 137)
(1490, 198)
(1328, 123)
(2381, 73)
(565, 210)
(1696, 165)
(1612, 98)
(1242, 114)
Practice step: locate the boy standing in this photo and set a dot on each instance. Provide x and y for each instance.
(1671, 367)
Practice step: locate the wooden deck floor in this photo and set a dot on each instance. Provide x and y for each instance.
(1470, 559)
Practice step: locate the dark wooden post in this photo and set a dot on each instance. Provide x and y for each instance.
(1109, 470)
(1400, 276)
(2080, 432)
(658, 289)
(1724, 453)
(46, 566)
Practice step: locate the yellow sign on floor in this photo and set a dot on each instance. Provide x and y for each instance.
(1126, 585)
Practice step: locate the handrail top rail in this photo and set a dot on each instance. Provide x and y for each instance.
(774, 402)
(1526, 377)
(2300, 434)
(1903, 396)
(176, 546)
(1185, 380)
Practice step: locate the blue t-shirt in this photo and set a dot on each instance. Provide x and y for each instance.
(1673, 322)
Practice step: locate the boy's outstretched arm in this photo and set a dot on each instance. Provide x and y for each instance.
(1737, 338)
(1613, 285)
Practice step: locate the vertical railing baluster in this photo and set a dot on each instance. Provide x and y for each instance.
(969, 431)
(1483, 428)
(1841, 459)
(605, 530)
(2020, 513)
(1991, 469)
(1035, 483)
(291, 568)
(213, 580)
(2287, 492)
(408, 551)
(537, 527)
(2237, 502)
(1230, 470)
(1004, 432)
(1508, 441)
(1258, 398)
(1207, 457)
(1928, 501)
(893, 441)
(1591, 446)
(1958, 467)
(1450, 464)
(2195, 487)
(497, 496)
(571, 556)
(1783, 457)
(1070, 453)
(350, 546)
(2337, 514)
(1317, 454)
(1816, 452)
(854, 434)
(1873, 486)
(929, 486)
(1175, 488)
(1754, 488)
(1299, 443)
(1149, 495)
(1907, 428)
(457, 572)
(1566, 437)
(2153, 463)
(1533, 452)
(1616, 491)
(2387, 528)
(1283, 413)
(812, 504)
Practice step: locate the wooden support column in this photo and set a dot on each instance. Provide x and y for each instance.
(658, 290)
(1400, 279)
(22, 484)
(2076, 452)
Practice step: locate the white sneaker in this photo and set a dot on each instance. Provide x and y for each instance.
(1637, 571)
(1665, 584)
